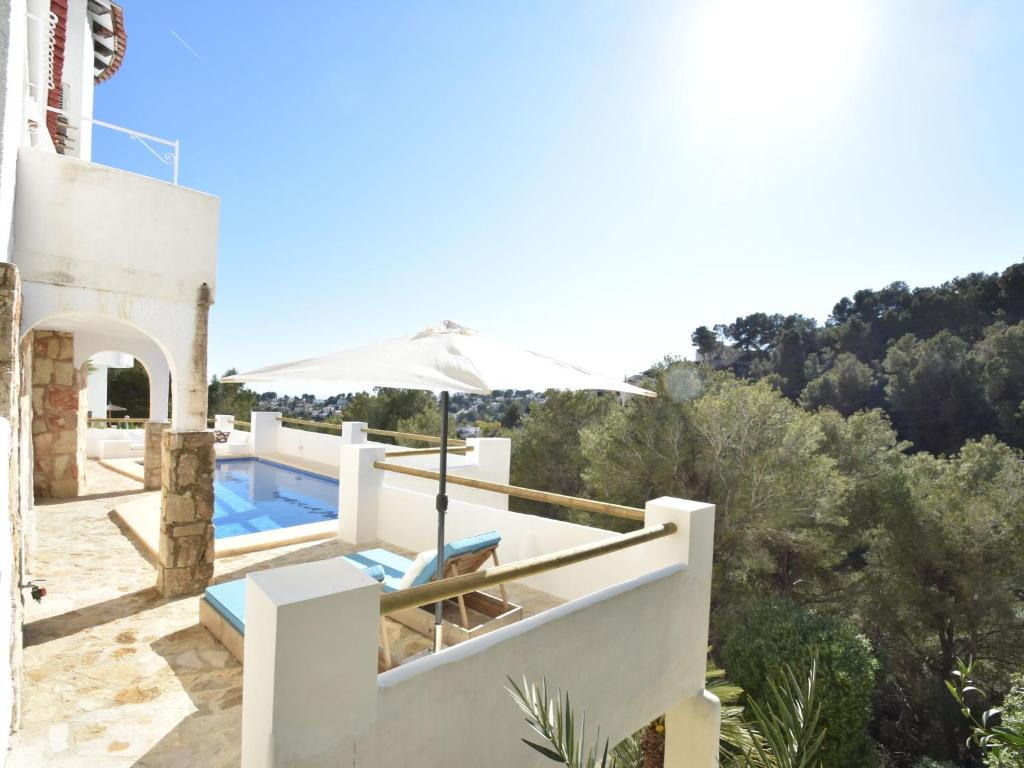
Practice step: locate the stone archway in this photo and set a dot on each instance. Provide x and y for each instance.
(180, 459)
(56, 350)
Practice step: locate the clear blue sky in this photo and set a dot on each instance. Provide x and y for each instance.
(588, 179)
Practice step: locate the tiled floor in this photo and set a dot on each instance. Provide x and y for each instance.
(117, 676)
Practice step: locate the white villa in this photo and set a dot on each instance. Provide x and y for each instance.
(167, 637)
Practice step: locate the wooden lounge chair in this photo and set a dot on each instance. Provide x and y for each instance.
(460, 557)
(222, 609)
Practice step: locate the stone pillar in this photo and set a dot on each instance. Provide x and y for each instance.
(11, 375)
(153, 456)
(186, 513)
(58, 416)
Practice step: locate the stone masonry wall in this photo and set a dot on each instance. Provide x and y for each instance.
(186, 513)
(58, 416)
(153, 457)
(11, 377)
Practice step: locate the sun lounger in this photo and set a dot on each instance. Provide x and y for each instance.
(222, 609)
(461, 556)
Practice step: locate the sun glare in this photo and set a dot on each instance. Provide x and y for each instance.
(771, 70)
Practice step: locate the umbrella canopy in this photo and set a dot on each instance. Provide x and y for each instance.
(111, 408)
(443, 358)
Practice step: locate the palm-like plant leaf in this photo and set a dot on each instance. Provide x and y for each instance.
(554, 720)
(788, 723)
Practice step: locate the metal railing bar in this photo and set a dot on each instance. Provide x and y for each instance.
(410, 436)
(572, 502)
(415, 597)
(304, 422)
(461, 451)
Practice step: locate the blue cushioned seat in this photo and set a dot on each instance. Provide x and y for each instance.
(228, 598)
(465, 546)
(396, 567)
(393, 566)
(229, 601)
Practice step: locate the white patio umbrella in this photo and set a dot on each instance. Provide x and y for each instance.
(443, 358)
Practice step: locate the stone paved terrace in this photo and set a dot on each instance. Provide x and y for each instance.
(117, 676)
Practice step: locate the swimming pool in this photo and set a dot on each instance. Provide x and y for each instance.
(253, 495)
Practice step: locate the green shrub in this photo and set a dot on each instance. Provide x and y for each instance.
(928, 762)
(1013, 719)
(764, 635)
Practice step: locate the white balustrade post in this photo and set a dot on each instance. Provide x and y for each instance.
(359, 485)
(692, 731)
(493, 457)
(310, 674)
(691, 726)
(352, 432)
(265, 427)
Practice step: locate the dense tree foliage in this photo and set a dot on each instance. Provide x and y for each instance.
(922, 553)
(547, 452)
(385, 407)
(947, 363)
(869, 493)
(790, 635)
(944, 579)
(128, 388)
(230, 399)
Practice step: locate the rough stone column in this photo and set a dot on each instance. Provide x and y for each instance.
(153, 457)
(186, 514)
(10, 396)
(58, 416)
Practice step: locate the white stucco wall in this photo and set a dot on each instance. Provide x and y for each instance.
(408, 519)
(489, 459)
(77, 73)
(627, 654)
(310, 446)
(85, 225)
(96, 392)
(13, 40)
(95, 243)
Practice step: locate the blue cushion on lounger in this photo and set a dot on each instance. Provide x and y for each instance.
(228, 598)
(452, 549)
(395, 566)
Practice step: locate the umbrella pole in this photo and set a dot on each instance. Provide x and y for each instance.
(442, 508)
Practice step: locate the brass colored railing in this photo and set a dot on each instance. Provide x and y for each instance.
(572, 502)
(307, 423)
(435, 591)
(460, 450)
(411, 436)
(236, 422)
(117, 421)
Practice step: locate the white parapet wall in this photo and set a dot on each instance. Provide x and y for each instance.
(379, 505)
(489, 460)
(628, 652)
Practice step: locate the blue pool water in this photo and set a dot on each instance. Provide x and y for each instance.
(251, 495)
